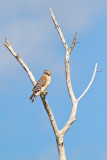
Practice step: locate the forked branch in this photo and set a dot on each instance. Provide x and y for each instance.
(59, 134)
(68, 77)
(48, 110)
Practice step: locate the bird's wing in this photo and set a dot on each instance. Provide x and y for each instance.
(39, 84)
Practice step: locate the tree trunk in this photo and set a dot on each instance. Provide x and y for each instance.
(60, 145)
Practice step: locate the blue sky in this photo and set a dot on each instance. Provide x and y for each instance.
(25, 130)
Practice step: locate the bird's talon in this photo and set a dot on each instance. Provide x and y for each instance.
(45, 93)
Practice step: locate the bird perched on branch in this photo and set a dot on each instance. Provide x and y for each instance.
(41, 85)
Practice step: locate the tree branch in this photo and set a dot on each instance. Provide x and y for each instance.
(68, 80)
(9, 47)
(50, 115)
(48, 110)
(59, 134)
(70, 90)
(68, 51)
(59, 30)
(73, 43)
(95, 70)
(71, 119)
(67, 69)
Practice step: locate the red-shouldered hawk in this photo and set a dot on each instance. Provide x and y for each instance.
(41, 85)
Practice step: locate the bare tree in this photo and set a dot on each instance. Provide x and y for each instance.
(58, 133)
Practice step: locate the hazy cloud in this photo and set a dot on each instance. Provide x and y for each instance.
(29, 28)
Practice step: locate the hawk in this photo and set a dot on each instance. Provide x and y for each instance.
(41, 85)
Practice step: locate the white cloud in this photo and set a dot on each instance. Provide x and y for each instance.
(74, 15)
(29, 36)
(77, 15)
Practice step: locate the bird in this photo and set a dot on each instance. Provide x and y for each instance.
(41, 85)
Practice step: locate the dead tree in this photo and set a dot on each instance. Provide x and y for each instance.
(59, 134)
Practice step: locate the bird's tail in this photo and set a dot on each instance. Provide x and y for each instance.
(32, 97)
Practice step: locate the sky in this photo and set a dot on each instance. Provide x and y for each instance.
(25, 130)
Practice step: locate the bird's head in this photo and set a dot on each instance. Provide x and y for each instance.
(47, 72)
